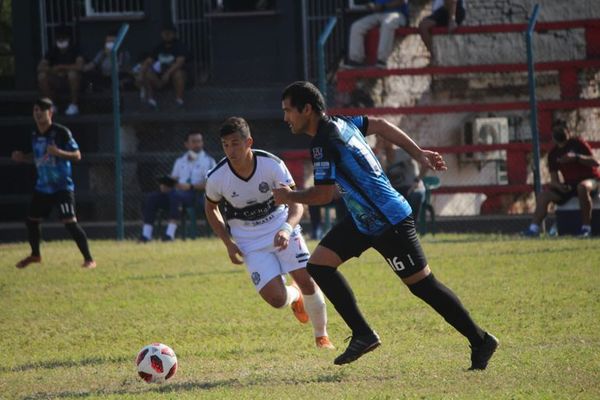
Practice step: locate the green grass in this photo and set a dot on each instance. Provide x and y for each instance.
(70, 333)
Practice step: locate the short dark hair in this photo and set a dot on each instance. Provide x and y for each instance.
(235, 125)
(169, 26)
(302, 93)
(560, 125)
(192, 133)
(45, 103)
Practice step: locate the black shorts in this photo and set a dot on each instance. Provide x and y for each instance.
(42, 203)
(441, 16)
(399, 245)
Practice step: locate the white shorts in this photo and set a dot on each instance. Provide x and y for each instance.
(265, 264)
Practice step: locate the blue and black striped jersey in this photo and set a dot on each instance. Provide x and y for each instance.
(341, 155)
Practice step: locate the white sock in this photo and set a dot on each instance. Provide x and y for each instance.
(147, 231)
(171, 228)
(293, 294)
(534, 228)
(314, 304)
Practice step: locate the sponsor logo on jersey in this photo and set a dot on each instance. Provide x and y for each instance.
(255, 278)
(235, 194)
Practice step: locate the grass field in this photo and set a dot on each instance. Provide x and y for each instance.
(69, 333)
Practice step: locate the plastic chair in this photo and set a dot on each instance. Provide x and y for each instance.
(430, 182)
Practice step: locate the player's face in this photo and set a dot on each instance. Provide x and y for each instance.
(41, 116)
(236, 147)
(297, 120)
(195, 143)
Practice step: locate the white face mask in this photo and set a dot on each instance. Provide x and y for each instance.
(109, 45)
(62, 44)
(192, 155)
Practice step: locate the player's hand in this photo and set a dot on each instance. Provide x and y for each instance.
(281, 240)
(52, 150)
(280, 195)
(567, 158)
(433, 160)
(235, 254)
(18, 156)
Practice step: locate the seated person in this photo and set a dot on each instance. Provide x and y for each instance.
(98, 72)
(61, 67)
(450, 13)
(406, 176)
(166, 64)
(573, 158)
(180, 189)
(388, 15)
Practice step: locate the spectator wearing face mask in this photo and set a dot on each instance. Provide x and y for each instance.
(98, 72)
(166, 64)
(61, 69)
(180, 189)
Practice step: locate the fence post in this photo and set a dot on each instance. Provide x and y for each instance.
(117, 130)
(322, 78)
(535, 136)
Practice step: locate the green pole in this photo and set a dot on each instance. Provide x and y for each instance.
(117, 129)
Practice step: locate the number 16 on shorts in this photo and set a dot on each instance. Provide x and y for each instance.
(396, 264)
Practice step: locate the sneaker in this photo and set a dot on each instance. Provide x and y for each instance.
(89, 264)
(529, 233)
(351, 64)
(28, 260)
(358, 346)
(298, 307)
(72, 110)
(481, 354)
(381, 64)
(584, 232)
(323, 342)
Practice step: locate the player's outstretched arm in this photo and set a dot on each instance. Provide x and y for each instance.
(20, 157)
(217, 223)
(314, 196)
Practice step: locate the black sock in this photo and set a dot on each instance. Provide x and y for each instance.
(336, 288)
(447, 304)
(34, 233)
(80, 238)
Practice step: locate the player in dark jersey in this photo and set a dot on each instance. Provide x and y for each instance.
(379, 217)
(53, 150)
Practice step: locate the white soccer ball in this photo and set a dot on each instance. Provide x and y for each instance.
(156, 363)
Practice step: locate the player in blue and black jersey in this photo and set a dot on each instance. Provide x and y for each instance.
(379, 217)
(53, 149)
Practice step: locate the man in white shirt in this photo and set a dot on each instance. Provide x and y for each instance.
(254, 230)
(180, 189)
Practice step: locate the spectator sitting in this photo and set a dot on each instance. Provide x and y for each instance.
(98, 72)
(450, 13)
(60, 67)
(573, 158)
(406, 177)
(167, 63)
(180, 189)
(389, 15)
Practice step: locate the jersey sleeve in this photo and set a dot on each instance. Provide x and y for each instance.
(282, 175)
(361, 122)
(176, 171)
(212, 190)
(584, 148)
(64, 140)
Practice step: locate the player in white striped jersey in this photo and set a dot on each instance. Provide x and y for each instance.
(256, 231)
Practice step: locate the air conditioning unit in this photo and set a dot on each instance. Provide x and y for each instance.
(485, 131)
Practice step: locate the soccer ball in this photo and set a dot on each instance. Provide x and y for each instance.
(156, 363)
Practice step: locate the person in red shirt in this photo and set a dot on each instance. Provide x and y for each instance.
(573, 158)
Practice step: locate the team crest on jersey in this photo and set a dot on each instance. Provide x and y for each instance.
(263, 187)
(317, 153)
(255, 278)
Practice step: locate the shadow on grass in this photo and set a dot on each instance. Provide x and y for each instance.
(65, 363)
(180, 275)
(177, 388)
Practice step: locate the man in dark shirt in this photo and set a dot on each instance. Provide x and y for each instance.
(166, 64)
(573, 158)
(61, 67)
(53, 149)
